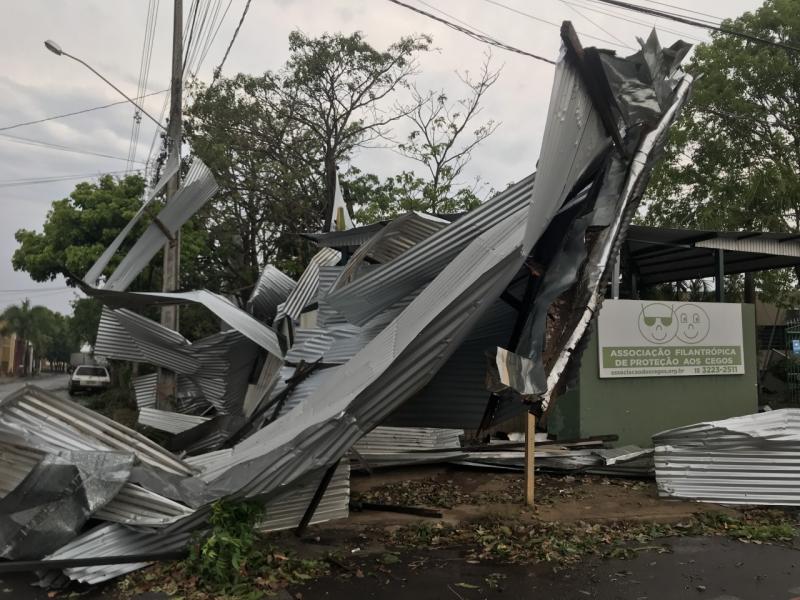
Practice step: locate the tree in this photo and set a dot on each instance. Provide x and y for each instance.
(335, 86)
(438, 138)
(442, 140)
(733, 161)
(268, 170)
(273, 142)
(32, 324)
(79, 228)
(84, 321)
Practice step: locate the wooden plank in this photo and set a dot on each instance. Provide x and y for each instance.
(530, 453)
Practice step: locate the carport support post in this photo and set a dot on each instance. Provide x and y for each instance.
(530, 453)
(719, 277)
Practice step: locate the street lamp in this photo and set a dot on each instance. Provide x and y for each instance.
(56, 49)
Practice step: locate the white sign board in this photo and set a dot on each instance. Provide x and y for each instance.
(649, 338)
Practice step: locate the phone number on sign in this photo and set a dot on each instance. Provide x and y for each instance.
(718, 369)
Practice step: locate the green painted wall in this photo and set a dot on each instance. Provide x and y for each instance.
(636, 408)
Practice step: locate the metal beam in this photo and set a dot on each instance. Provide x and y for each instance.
(719, 276)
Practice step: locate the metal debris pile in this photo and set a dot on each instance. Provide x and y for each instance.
(754, 459)
(389, 325)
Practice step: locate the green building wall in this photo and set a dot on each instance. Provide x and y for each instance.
(636, 408)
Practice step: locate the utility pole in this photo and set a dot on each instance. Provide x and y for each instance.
(167, 380)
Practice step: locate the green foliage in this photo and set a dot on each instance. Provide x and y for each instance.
(222, 557)
(85, 320)
(273, 142)
(79, 228)
(379, 200)
(733, 158)
(48, 331)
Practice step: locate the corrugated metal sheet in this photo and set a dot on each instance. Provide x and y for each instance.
(196, 189)
(133, 505)
(285, 510)
(306, 290)
(399, 236)
(218, 365)
(350, 238)
(144, 390)
(390, 282)
(456, 395)
(166, 420)
(272, 288)
(230, 314)
(756, 245)
(45, 422)
(754, 459)
(394, 365)
(93, 274)
(394, 446)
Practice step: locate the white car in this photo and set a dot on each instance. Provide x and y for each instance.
(88, 378)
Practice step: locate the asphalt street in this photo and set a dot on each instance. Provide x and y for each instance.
(56, 384)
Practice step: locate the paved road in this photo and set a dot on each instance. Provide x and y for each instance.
(694, 568)
(53, 383)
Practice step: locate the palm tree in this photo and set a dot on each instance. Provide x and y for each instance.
(27, 322)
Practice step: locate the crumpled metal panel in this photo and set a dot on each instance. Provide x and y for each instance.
(573, 139)
(611, 182)
(30, 417)
(94, 273)
(56, 498)
(167, 420)
(399, 361)
(754, 459)
(114, 539)
(391, 282)
(230, 314)
(196, 189)
(399, 236)
(591, 291)
(218, 365)
(272, 289)
(306, 290)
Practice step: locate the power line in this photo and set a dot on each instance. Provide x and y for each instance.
(51, 146)
(207, 47)
(473, 34)
(628, 19)
(47, 290)
(218, 70)
(144, 75)
(57, 178)
(541, 20)
(698, 23)
(688, 10)
(78, 112)
(596, 24)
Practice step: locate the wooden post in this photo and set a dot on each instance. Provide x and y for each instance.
(530, 453)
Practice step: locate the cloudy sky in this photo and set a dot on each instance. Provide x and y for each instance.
(109, 34)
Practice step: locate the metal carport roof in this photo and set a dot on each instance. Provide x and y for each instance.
(659, 255)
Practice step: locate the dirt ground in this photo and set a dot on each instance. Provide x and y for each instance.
(466, 493)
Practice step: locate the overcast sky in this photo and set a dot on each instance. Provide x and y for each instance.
(108, 34)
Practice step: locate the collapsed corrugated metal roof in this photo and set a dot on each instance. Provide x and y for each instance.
(392, 339)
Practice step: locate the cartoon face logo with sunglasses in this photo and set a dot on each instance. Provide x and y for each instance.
(657, 323)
